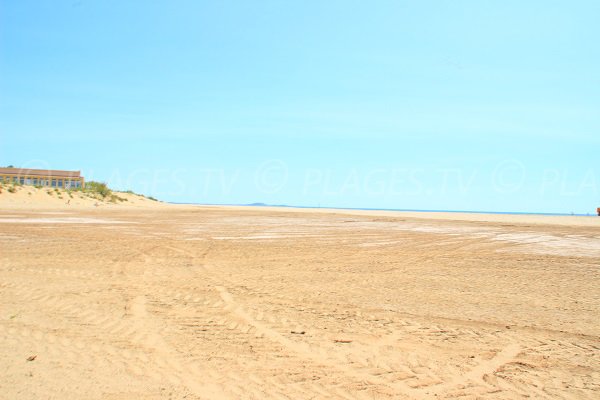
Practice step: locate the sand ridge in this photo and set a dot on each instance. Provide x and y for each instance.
(50, 199)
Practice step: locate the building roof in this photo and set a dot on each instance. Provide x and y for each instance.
(39, 172)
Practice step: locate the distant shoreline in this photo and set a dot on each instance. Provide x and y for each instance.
(261, 205)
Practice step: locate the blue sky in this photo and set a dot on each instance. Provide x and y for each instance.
(468, 105)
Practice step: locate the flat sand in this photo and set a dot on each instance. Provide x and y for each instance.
(174, 302)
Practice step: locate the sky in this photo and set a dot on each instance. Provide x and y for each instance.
(435, 105)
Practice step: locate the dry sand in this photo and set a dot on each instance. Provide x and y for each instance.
(32, 198)
(157, 301)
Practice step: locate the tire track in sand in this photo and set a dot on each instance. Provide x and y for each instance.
(189, 373)
(304, 350)
(457, 380)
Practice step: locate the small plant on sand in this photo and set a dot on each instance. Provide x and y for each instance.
(97, 189)
(50, 192)
(114, 198)
(12, 189)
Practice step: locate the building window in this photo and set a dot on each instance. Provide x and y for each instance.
(53, 182)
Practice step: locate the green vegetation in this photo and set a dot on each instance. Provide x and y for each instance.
(97, 188)
(8, 186)
(100, 191)
(137, 194)
(114, 198)
(142, 195)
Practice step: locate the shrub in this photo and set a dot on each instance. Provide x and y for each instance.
(12, 189)
(99, 188)
(114, 198)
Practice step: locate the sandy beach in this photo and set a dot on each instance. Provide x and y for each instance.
(156, 301)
